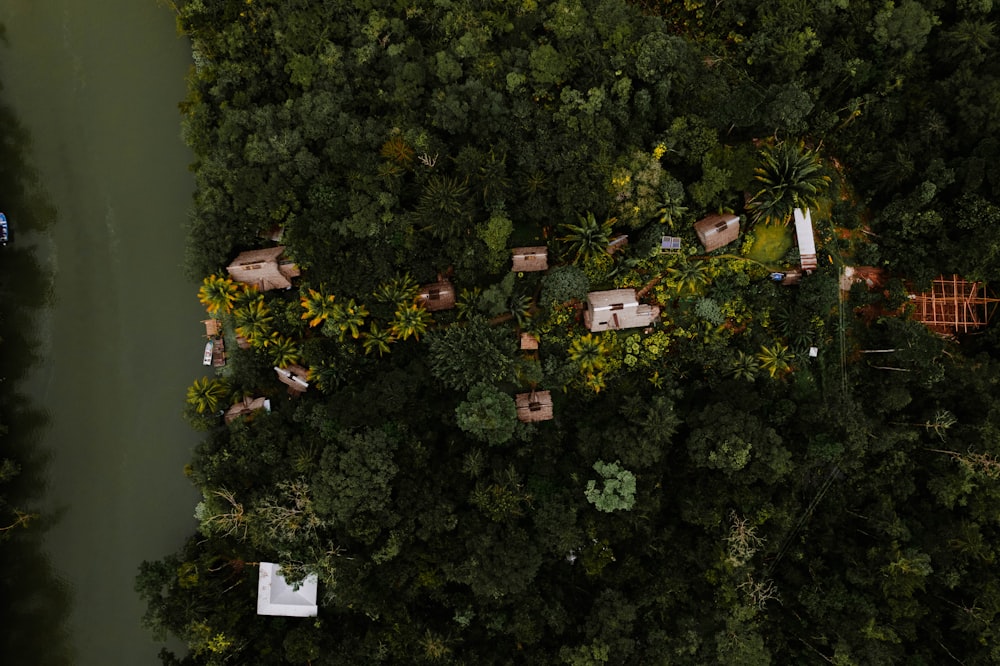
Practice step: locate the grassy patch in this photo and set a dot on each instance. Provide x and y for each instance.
(771, 242)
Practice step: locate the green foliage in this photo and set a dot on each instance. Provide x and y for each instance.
(462, 356)
(586, 239)
(615, 491)
(487, 414)
(563, 284)
(791, 176)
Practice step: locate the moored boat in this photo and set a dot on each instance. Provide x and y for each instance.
(4, 230)
(207, 360)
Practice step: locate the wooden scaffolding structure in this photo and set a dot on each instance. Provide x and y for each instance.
(954, 305)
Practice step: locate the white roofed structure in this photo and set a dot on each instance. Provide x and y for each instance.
(275, 596)
(617, 308)
(807, 241)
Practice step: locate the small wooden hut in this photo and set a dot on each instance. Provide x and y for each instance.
(264, 269)
(527, 259)
(295, 377)
(534, 406)
(246, 406)
(717, 230)
(438, 295)
(528, 342)
(213, 327)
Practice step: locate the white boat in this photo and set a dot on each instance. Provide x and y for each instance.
(4, 230)
(207, 360)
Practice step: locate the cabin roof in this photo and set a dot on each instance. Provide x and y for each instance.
(246, 406)
(294, 376)
(534, 406)
(438, 295)
(533, 258)
(717, 230)
(263, 268)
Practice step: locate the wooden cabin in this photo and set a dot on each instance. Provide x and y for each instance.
(528, 259)
(806, 239)
(438, 295)
(213, 328)
(264, 269)
(617, 309)
(534, 406)
(528, 342)
(718, 230)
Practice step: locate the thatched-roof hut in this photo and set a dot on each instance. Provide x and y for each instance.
(715, 231)
(527, 259)
(264, 269)
(246, 406)
(295, 377)
(534, 406)
(438, 295)
(213, 327)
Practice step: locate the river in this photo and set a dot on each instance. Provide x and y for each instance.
(116, 335)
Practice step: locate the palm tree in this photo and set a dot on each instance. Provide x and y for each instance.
(347, 318)
(589, 353)
(744, 366)
(218, 294)
(318, 306)
(777, 359)
(670, 212)
(206, 394)
(588, 238)
(253, 321)
(401, 289)
(466, 302)
(791, 176)
(689, 276)
(284, 351)
(376, 339)
(324, 376)
(410, 321)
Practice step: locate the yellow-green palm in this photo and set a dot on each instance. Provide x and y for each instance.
(348, 318)
(206, 394)
(253, 321)
(410, 321)
(318, 306)
(776, 359)
(284, 351)
(376, 339)
(588, 238)
(218, 294)
(689, 276)
(589, 352)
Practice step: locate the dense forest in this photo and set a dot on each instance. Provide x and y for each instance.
(764, 474)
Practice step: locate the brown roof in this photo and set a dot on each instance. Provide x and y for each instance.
(717, 230)
(528, 341)
(437, 296)
(244, 407)
(294, 376)
(526, 259)
(212, 327)
(534, 406)
(263, 269)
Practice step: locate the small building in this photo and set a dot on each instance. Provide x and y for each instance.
(527, 259)
(438, 295)
(670, 243)
(213, 327)
(245, 407)
(616, 309)
(534, 406)
(264, 269)
(806, 239)
(528, 342)
(276, 596)
(294, 377)
(718, 230)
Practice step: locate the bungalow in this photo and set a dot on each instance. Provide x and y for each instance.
(718, 230)
(527, 259)
(295, 377)
(617, 308)
(438, 295)
(264, 269)
(806, 239)
(534, 406)
(246, 406)
(275, 596)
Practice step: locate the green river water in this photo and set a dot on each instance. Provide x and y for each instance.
(113, 337)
